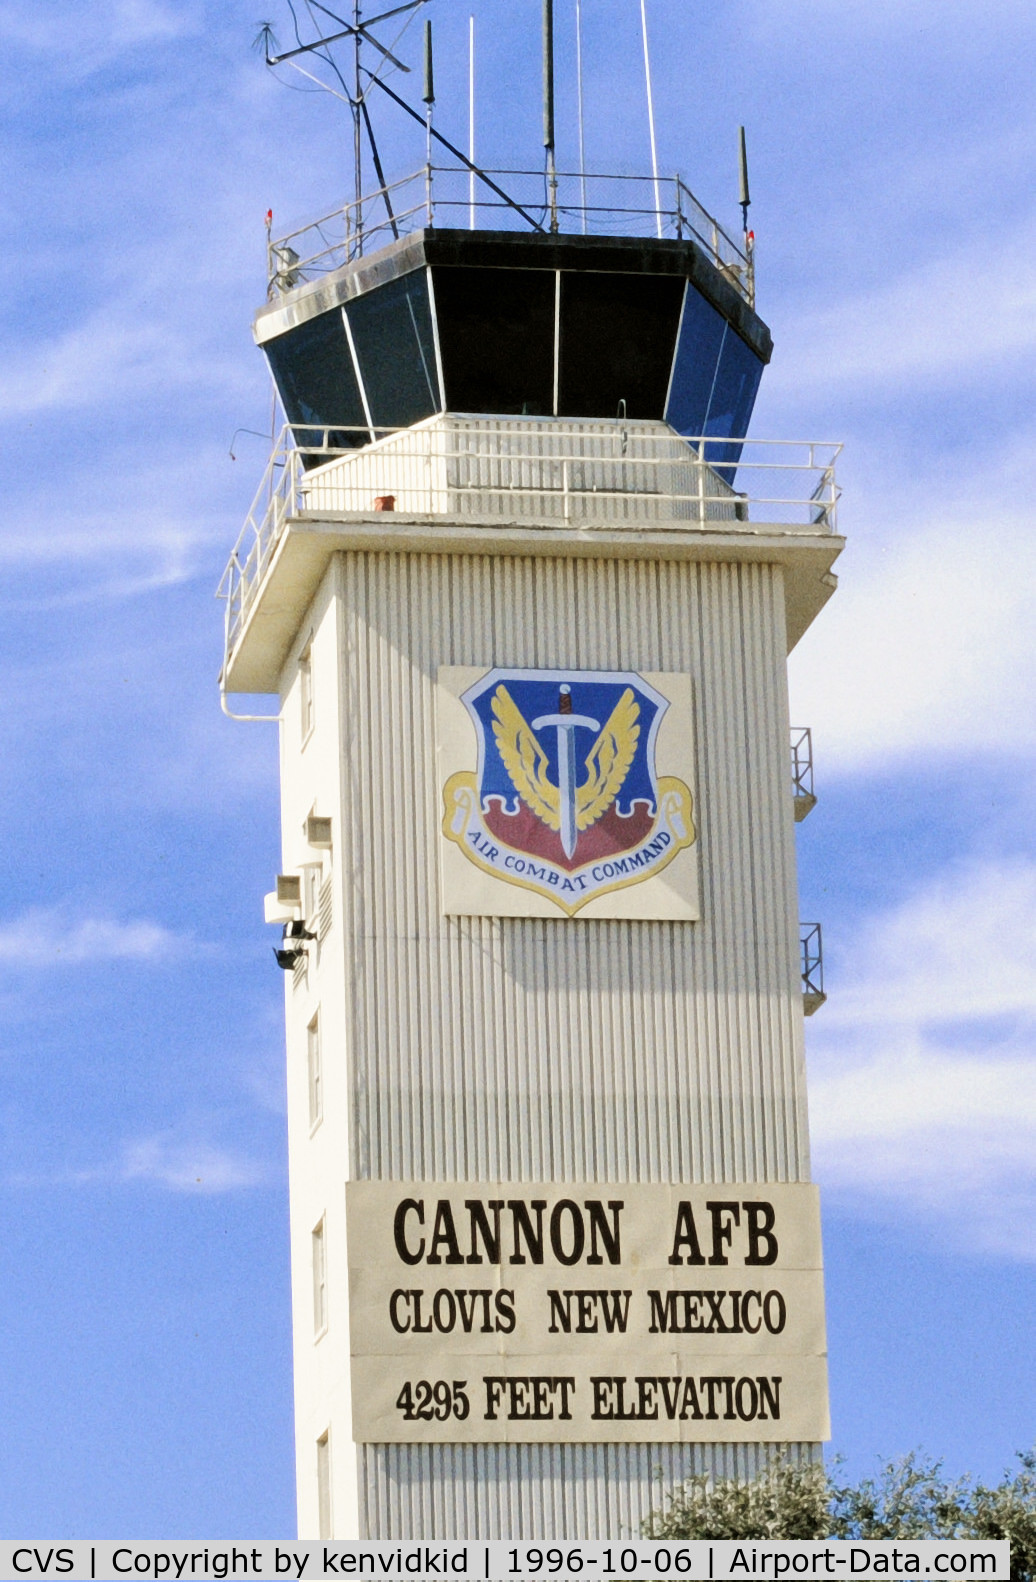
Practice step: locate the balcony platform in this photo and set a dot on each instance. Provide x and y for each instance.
(546, 487)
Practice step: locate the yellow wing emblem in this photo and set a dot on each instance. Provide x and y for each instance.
(608, 762)
(524, 759)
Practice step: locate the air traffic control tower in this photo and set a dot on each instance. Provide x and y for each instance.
(526, 594)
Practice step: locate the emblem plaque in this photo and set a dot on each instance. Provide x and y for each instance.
(566, 798)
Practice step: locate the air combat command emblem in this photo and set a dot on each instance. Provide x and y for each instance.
(566, 799)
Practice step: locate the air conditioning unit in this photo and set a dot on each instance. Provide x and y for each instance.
(318, 831)
(289, 889)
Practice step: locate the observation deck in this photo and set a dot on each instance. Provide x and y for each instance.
(470, 484)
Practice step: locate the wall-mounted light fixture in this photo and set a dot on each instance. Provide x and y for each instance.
(293, 944)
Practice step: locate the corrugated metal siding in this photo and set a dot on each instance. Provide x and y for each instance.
(511, 1048)
(551, 470)
(514, 1049)
(555, 1491)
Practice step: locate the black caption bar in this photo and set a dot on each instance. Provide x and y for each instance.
(472, 1560)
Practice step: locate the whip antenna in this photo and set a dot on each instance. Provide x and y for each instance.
(579, 103)
(651, 119)
(548, 108)
(471, 122)
(429, 100)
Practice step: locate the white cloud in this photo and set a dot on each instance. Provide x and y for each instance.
(923, 1063)
(110, 357)
(90, 35)
(135, 20)
(173, 515)
(962, 947)
(131, 548)
(45, 937)
(188, 1165)
(949, 25)
(938, 324)
(180, 1160)
(916, 1131)
(929, 646)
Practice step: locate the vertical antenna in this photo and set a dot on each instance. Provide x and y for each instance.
(744, 198)
(651, 119)
(429, 68)
(429, 100)
(742, 171)
(357, 128)
(471, 121)
(548, 108)
(579, 102)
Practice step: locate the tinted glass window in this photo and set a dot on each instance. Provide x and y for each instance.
(313, 371)
(617, 338)
(694, 368)
(733, 395)
(392, 333)
(496, 336)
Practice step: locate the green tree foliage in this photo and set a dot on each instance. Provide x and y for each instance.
(908, 1499)
(785, 1501)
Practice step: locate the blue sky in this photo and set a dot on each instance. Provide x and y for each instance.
(144, 1319)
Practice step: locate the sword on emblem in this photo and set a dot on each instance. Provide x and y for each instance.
(566, 724)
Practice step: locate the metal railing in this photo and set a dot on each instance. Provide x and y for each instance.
(811, 946)
(592, 473)
(439, 194)
(802, 771)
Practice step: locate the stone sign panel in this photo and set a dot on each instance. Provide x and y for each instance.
(586, 1312)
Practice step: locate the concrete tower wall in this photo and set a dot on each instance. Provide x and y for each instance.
(514, 1049)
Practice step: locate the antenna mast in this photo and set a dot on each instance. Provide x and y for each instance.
(359, 32)
(471, 122)
(357, 141)
(742, 171)
(579, 102)
(548, 108)
(429, 102)
(744, 198)
(651, 119)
